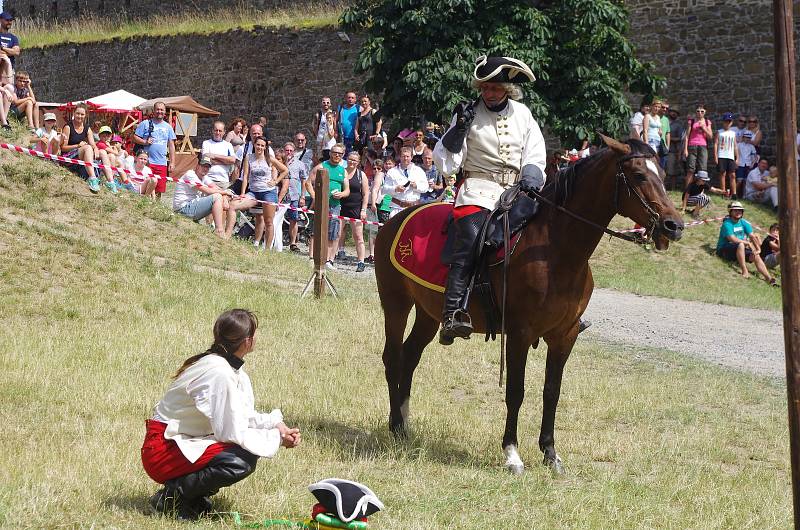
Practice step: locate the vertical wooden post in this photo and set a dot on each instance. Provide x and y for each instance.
(786, 115)
(321, 209)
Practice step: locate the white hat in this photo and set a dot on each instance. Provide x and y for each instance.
(49, 116)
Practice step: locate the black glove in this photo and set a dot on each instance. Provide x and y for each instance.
(453, 139)
(531, 178)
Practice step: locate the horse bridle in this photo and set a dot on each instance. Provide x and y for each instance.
(638, 238)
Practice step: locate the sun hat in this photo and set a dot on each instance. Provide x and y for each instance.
(205, 160)
(49, 116)
(116, 138)
(105, 129)
(735, 205)
(702, 175)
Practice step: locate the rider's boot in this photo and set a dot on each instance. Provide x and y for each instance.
(456, 321)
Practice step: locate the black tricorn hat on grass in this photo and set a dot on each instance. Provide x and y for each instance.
(501, 70)
(345, 498)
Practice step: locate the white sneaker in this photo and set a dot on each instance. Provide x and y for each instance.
(329, 265)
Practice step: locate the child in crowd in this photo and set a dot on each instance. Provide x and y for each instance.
(771, 247)
(695, 195)
(726, 155)
(47, 139)
(146, 183)
(23, 101)
(105, 153)
(449, 193)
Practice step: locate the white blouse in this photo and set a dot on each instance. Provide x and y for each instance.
(211, 402)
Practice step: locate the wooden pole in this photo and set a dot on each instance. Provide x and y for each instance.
(321, 208)
(789, 217)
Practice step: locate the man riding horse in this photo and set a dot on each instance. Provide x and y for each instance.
(494, 143)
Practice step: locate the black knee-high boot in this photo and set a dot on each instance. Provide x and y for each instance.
(456, 321)
(186, 497)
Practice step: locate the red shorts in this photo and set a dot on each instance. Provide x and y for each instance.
(161, 173)
(163, 460)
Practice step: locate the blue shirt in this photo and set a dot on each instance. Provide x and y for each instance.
(9, 40)
(347, 121)
(162, 134)
(740, 229)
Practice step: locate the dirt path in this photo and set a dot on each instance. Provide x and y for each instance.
(739, 338)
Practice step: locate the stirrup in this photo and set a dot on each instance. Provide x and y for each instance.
(456, 324)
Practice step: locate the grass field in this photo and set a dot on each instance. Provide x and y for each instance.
(40, 32)
(104, 297)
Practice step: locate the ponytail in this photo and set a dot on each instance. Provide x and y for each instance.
(231, 329)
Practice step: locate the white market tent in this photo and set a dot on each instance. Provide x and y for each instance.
(119, 100)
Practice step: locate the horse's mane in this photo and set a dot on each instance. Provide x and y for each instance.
(561, 186)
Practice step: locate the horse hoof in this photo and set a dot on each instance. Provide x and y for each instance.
(555, 465)
(515, 469)
(399, 431)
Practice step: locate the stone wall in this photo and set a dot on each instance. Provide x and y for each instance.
(715, 52)
(280, 74)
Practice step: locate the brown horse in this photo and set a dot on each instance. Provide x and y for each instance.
(549, 280)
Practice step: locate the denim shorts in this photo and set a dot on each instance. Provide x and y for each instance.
(293, 215)
(198, 208)
(334, 224)
(264, 196)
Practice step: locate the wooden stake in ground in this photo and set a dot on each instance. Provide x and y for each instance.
(320, 247)
(789, 216)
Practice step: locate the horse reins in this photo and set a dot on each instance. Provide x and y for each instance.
(638, 239)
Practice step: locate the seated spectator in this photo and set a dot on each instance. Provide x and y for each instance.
(222, 156)
(77, 141)
(196, 200)
(435, 181)
(771, 247)
(23, 100)
(758, 188)
(695, 195)
(119, 151)
(47, 139)
(738, 243)
(144, 181)
(405, 183)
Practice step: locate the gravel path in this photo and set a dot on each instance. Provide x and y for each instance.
(744, 339)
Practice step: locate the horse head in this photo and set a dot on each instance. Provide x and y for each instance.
(640, 193)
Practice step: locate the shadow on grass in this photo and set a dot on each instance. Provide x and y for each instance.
(139, 503)
(353, 442)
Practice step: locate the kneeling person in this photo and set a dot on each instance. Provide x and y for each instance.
(205, 433)
(195, 200)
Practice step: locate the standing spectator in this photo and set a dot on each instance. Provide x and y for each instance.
(637, 120)
(262, 121)
(435, 181)
(695, 143)
(354, 206)
(222, 157)
(47, 139)
(283, 200)
(319, 128)
(771, 247)
(368, 124)
(747, 151)
(339, 188)
(726, 155)
(377, 207)
(236, 132)
(329, 138)
(405, 183)
(651, 128)
(738, 243)
(205, 433)
(298, 173)
(666, 132)
(418, 147)
(346, 118)
(9, 46)
(196, 200)
(77, 141)
(430, 132)
(675, 166)
(302, 152)
(758, 188)
(158, 139)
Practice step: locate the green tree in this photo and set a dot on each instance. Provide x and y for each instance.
(419, 54)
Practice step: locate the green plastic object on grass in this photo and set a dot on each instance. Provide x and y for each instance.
(336, 523)
(269, 523)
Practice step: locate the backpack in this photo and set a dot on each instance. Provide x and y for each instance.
(138, 148)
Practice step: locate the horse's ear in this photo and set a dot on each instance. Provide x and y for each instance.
(619, 147)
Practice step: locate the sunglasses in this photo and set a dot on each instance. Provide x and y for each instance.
(700, 111)
(339, 153)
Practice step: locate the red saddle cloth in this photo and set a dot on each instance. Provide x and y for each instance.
(417, 247)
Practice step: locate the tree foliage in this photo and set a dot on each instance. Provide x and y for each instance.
(419, 54)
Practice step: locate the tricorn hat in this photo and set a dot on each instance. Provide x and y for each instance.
(346, 499)
(501, 70)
